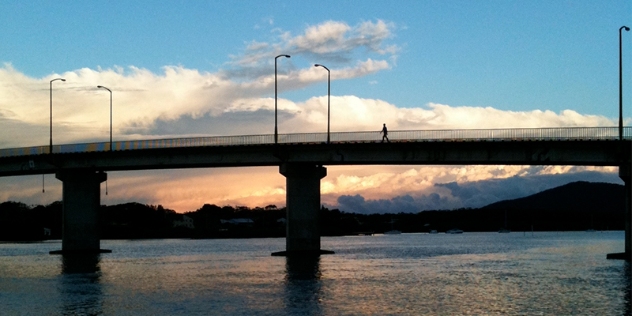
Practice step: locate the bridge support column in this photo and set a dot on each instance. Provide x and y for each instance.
(302, 205)
(81, 200)
(625, 174)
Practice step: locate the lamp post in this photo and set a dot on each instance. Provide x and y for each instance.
(50, 148)
(621, 84)
(328, 97)
(276, 133)
(102, 87)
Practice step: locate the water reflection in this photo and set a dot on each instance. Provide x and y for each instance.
(80, 287)
(303, 287)
(89, 264)
(627, 292)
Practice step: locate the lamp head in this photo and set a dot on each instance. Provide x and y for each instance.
(99, 86)
(626, 28)
(320, 65)
(62, 79)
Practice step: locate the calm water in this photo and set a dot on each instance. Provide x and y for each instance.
(409, 274)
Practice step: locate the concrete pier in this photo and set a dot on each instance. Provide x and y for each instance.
(303, 205)
(625, 173)
(81, 200)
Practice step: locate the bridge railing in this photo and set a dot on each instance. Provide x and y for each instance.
(516, 134)
(527, 134)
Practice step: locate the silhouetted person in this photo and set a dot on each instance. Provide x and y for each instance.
(385, 132)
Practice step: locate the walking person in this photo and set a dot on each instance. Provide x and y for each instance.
(385, 132)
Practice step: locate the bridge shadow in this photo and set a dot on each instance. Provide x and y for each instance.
(303, 286)
(80, 285)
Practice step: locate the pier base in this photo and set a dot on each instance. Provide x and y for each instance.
(302, 205)
(81, 200)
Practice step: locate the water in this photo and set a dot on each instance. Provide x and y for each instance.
(408, 274)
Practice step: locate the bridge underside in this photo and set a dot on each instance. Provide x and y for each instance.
(578, 153)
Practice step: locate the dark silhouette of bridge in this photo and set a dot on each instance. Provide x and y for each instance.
(301, 159)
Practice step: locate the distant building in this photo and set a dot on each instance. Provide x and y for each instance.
(47, 231)
(185, 221)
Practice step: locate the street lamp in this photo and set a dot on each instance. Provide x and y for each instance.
(276, 133)
(50, 148)
(102, 87)
(621, 85)
(328, 97)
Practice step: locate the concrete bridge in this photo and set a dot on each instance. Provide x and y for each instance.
(302, 158)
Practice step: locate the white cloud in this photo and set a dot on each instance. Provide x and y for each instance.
(323, 38)
(330, 41)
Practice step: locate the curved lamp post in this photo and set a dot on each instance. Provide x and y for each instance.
(276, 133)
(50, 148)
(102, 87)
(621, 85)
(328, 97)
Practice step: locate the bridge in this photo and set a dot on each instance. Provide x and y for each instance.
(301, 159)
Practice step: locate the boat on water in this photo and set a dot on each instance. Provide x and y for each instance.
(434, 231)
(392, 232)
(505, 230)
(454, 231)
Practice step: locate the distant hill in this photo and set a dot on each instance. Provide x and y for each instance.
(574, 206)
(577, 196)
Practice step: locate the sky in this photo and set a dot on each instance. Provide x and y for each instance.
(206, 68)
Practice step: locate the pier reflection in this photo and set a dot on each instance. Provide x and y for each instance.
(88, 264)
(627, 292)
(80, 288)
(303, 286)
(302, 267)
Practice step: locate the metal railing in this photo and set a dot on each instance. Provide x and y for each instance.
(516, 134)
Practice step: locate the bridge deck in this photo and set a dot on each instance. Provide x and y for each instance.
(555, 146)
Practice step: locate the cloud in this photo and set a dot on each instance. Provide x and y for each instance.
(334, 37)
(328, 42)
(398, 204)
(441, 116)
(469, 194)
(187, 190)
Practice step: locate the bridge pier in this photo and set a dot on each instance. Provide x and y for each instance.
(81, 200)
(302, 205)
(625, 173)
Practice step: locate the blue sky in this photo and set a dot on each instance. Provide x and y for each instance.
(514, 55)
(187, 68)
